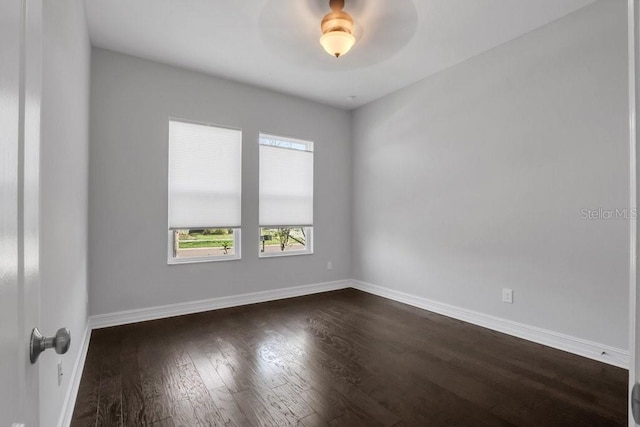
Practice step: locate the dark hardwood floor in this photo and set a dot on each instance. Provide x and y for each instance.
(343, 358)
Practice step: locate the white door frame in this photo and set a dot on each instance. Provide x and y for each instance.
(633, 196)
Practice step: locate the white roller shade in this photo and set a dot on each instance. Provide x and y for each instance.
(205, 176)
(286, 184)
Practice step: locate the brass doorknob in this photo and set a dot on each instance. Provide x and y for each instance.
(39, 343)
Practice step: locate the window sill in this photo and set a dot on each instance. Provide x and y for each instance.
(178, 261)
(282, 254)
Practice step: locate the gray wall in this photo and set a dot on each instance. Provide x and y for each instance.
(131, 101)
(474, 179)
(64, 194)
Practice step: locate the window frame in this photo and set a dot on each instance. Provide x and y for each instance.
(310, 147)
(237, 231)
(237, 253)
(308, 247)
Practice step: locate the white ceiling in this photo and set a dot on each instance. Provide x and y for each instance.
(274, 43)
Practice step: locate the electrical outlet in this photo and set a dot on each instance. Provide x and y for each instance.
(329, 265)
(60, 373)
(507, 295)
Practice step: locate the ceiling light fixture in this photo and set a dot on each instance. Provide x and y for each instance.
(337, 27)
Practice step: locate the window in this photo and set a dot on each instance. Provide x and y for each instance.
(205, 180)
(286, 196)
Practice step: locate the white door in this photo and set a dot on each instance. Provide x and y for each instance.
(20, 91)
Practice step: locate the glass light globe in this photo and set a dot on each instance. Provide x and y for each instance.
(337, 43)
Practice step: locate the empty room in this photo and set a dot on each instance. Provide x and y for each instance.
(319, 213)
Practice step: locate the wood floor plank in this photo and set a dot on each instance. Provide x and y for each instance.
(166, 422)
(337, 358)
(279, 362)
(232, 378)
(86, 408)
(133, 407)
(110, 401)
(182, 414)
(230, 412)
(83, 421)
(292, 400)
(351, 418)
(261, 375)
(254, 409)
(157, 406)
(328, 403)
(313, 420)
(204, 407)
(205, 369)
(276, 408)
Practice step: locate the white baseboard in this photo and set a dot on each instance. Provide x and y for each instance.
(592, 350)
(74, 383)
(163, 311)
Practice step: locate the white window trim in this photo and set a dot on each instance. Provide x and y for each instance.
(307, 251)
(171, 260)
